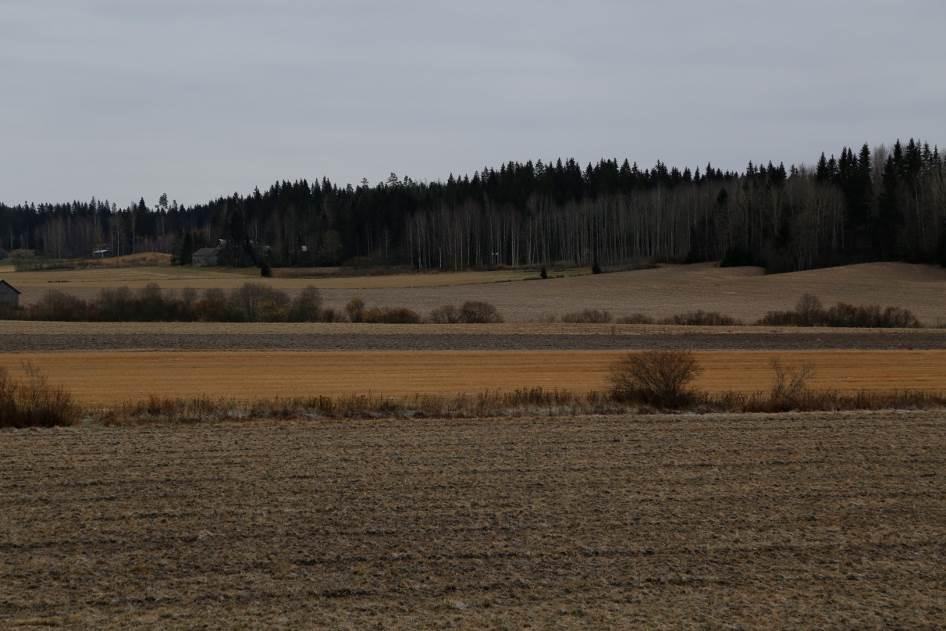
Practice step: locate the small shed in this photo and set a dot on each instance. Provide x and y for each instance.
(9, 295)
(206, 257)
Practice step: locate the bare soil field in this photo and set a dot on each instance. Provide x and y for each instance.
(745, 292)
(790, 521)
(120, 376)
(420, 340)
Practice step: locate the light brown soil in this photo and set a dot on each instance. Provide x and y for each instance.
(116, 376)
(804, 521)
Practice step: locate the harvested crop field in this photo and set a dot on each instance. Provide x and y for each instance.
(115, 377)
(755, 521)
(743, 292)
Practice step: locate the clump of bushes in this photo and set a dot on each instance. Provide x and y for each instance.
(478, 312)
(701, 318)
(446, 314)
(33, 402)
(391, 315)
(658, 378)
(588, 316)
(355, 310)
(789, 386)
(470, 312)
(810, 312)
(253, 302)
(635, 318)
(57, 305)
(358, 312)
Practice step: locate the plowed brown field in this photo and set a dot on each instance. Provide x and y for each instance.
(110, 377)
(794, 521)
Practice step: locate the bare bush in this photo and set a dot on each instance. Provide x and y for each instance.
(355, 309)
(332, 315)
(810, 312)
(470, 312)
(447, 314)
(213, 307)
(307, 306)
(660, 378)
(391, 315)
(588, 316)
(33, 402)
(789, 386)
(478, 312)
(635, 318)
(59, 306)
(701, 318)
(255, 302)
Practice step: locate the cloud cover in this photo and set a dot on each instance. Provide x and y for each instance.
(122, 98)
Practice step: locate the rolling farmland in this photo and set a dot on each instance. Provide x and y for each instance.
(792, 520)
(743, 292)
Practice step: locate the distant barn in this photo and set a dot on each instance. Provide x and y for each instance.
(9, 295)
(206, 257)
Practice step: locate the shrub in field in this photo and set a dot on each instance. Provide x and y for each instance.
(33, 402)
(810, 312)
(59, 306)
(592, 316)
(635, 318)
(307, 306)
(478, 312)
(187, 305)
(332, 315)
(701, 318)
(115, 304)
(447, 314)
(471, 312)
(255, 302)
(213, 307)
(355, 310)
(660, 378)
(391, 315)
(789, 386)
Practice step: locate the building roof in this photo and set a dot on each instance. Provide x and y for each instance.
(4, 283)
(207, 251)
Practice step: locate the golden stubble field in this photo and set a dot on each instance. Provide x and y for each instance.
(118, 376)
(776, 521)
(744, 293)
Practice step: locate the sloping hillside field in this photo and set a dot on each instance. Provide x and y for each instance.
(794, 521)
(743, 292)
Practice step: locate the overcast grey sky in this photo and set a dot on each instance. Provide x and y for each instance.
(199, 98)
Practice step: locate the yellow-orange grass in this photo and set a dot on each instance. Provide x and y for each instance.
(110, 377)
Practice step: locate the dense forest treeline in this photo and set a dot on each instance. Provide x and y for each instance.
(880, 204)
